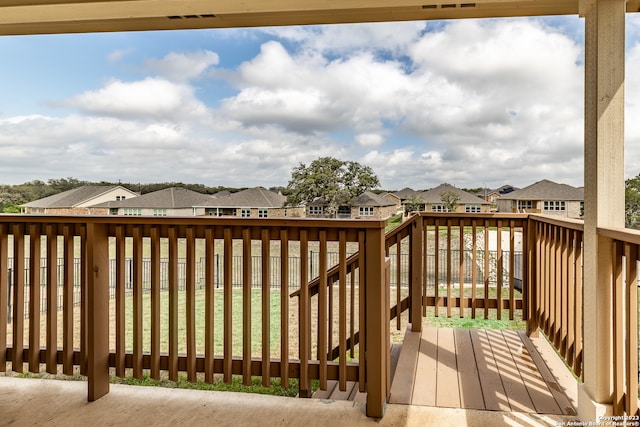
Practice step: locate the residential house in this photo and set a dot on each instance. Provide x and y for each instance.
(255, 202)
(408, 194)
(492, 195)
(545, 197)
(467, 202)
(366, 205)
(85, 200)
(173, 201)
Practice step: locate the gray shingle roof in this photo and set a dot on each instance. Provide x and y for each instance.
(169, 198)
(435, 195)
(371, 199)
(257, 197)
(546, 190)
(405, 193)
(71, 198)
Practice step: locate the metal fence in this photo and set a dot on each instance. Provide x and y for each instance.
(256, 270)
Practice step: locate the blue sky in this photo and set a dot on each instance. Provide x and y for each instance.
(472, 103)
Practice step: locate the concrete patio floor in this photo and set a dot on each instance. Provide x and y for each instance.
(39, 402)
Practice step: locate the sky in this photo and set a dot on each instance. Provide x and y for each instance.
(473, 103)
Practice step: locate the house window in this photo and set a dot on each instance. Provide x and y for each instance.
(118, 198)
(472, 208)
(262, 213)
(315, 210)
(133, 211)
(525, 204)
(366, 211)
(439, 208)
(159, 212)
(113, 211)
(245, 212)
(554, 205)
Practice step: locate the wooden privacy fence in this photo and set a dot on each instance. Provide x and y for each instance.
(83, 337)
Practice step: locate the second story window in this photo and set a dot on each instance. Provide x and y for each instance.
(473, 208)
(245, 213)
(439, 208)
(262, 213)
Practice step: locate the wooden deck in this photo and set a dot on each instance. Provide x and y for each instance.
(497, 370)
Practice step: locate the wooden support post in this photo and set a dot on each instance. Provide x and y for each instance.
(604, 192)
(377, 320)
(415, 288)
(97, 251)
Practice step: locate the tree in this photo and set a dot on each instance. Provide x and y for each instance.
(632, 202)
(413, 204)
(334, 181)
(450, 200)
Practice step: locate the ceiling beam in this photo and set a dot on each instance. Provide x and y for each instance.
(78, 16)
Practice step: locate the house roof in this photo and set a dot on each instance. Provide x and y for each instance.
(74, 197)
(546, 190)
(169, 198)
(371, 199)
(405, 193)
(365, 199)
(435, 195)
(258, 197)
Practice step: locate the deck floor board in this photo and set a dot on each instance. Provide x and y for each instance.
(495, 370)
(481, 369)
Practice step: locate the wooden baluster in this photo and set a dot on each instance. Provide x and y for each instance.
(173, 304)
(156, 327)
(246, 306)
(18, 298)
(137, 302)
(34, 297)
(209, 305)
(342, 311)
(52, 299)
(284, 308)
(266, 308)
(191, 305)
(4, 289)
(67, 299)
(228, 304)
(322, 311)
(303, 320)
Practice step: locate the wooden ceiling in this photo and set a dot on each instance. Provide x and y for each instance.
(81, 16)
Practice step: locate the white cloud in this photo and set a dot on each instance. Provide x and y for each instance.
(183, 66)
(390, 37)
(369, 139)
(118, 54)
(149, 98)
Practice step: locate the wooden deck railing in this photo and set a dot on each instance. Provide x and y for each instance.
(485, 278)
(624, 296)
(555, 305)
(513, 266)
(200, 332)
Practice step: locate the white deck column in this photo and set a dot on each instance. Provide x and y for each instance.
(604, 192)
